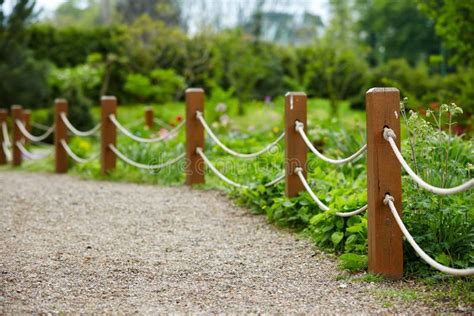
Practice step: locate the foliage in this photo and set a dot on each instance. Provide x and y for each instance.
(160, 86)
(167, 11)
(23, 77)
(442, 225)
(76, 84)
(454, 21)
(333, 71)
(396, 29)
(76, 13)
(70, 46)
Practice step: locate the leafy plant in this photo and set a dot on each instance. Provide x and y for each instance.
(161, 85)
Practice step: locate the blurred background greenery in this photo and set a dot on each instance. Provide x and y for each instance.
(149, 51)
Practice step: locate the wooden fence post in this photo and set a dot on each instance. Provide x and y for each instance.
(26, 121)
(60, 133)
(17, 135)
(384, 176)
(3, 119)
(149, 117)
(108, 160)
(194, 136)
(295, 148)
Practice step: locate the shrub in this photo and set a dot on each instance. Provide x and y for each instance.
(161, 85)
(78, 84)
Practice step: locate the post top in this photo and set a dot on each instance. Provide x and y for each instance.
(60, 100)
(190, 90)
(382, 90)
(295, 93)
(16, 107)
(3, 111)
(108, 98)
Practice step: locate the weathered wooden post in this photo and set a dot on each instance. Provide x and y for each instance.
(17, 112)
(3, 120)
(149, 117)
(26, 122)
(194, 136)
(108, 160)
(384, 176)
(60, 133)
(295, 148)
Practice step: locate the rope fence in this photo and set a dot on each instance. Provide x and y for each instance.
(209, 131)
(129, 134)
(384, 162)
(324, 207)
(389, 135)
(74, 130)
(145, 166)
(31, 137)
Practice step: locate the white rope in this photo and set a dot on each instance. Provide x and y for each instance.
(40, 126)
(144, 166)
(76, 157)
(275, 181)
(31, 137)
(200, 152)
(127, 133)
(388, 200)
(7, 152)
(30, 155)
(200, 117)
(6, 138)
(390, 136)
(135, 123)
(74, 130)
(300, 130)
(161, 123)
(324, 207)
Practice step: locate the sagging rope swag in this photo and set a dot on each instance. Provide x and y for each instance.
(145, 166)
(388, 200)
(75, 157)
(31, 137)
(389, 135)
(6, 142)
(300, 130)
(200, 152)
(74, 130)
(324, 207)
(30, 155)
(127, 133)
(200, 117)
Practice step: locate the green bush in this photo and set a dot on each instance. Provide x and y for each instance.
(77, 85)
(67, 47)
(161, 85)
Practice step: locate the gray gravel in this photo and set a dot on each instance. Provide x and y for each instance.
(69, 245)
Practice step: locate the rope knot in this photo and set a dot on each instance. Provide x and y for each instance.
(298, 170)
(299, 126)
(388, 198)
(198, 114)
(389, 133)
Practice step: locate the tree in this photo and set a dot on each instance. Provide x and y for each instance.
(396, 29)
(74, 13)
(455, 25)
(167, 11)
(23, 78)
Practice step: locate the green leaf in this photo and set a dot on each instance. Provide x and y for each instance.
(336, 237)
(443, 259)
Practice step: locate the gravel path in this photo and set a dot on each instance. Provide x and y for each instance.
(69, 245)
